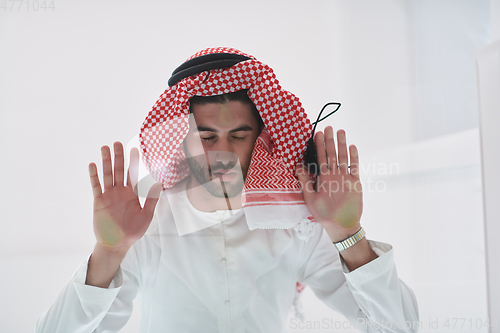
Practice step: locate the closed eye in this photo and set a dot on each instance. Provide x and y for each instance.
(238, 138)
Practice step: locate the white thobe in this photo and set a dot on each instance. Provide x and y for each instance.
(226, 278)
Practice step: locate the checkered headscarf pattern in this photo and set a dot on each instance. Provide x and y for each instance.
(286, 124)
(213, 50)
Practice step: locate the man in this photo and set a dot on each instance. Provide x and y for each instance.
(229, 236)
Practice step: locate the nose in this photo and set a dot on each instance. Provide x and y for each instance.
(222, 153)
(225, 157)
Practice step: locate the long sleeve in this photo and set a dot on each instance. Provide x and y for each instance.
(80, 308)
(371, 297)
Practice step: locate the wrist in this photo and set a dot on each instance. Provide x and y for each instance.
(358, 255)
(117, 252)
(103, 265)
(350, 241)
(339, 233)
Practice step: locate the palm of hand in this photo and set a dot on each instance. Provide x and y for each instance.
(336, 199)
(119, 219)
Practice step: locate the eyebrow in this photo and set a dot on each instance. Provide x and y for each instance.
(239, 129)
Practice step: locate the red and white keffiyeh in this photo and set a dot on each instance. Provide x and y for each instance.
(271, 196)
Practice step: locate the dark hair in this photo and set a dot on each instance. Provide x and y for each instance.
(240, 96)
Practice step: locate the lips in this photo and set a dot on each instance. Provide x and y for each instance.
(225, 175)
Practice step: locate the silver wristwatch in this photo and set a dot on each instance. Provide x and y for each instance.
(348, 242)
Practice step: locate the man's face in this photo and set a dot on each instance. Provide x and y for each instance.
(219, 146)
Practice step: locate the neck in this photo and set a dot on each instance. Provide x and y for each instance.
(203, 201)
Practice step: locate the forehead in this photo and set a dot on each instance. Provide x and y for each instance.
(227, 115)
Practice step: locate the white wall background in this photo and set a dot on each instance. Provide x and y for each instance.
(87, 73)
(488, 67)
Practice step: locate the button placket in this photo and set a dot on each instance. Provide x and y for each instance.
(224, 262)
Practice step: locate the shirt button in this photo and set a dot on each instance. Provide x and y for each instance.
(227, 301)
(223, 259)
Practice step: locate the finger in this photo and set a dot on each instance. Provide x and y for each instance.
(119, 168)
(306, 183)
(106, 168)
(342, 151)
(133, 168)
(151, 200)
(331, 153)
(354, 157)
(319, 140)
(94, 180)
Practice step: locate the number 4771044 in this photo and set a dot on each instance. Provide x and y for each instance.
(470, 323)
(27, 5)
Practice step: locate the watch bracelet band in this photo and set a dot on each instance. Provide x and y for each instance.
(350, 241)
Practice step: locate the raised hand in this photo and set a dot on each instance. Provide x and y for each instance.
(119, 219)
(336, 199)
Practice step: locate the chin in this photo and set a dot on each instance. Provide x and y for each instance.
(232, 188)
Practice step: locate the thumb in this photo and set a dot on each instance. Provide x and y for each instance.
(152, 198)
(305, 183)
